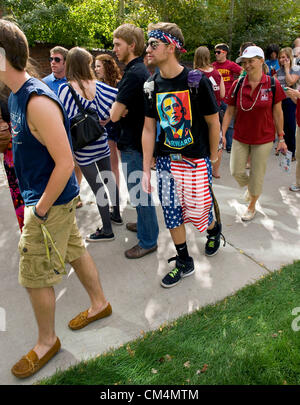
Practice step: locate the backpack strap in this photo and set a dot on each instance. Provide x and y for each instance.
(240, 82)
(76, 99)
(150, 87)
(237, 87)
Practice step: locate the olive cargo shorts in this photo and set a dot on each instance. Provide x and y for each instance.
(40, 266)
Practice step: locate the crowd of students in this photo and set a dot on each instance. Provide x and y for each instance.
(185, 118)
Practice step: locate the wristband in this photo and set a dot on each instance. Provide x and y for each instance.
(214, 161)
(281, 141)
(38, 216)
(281, 135)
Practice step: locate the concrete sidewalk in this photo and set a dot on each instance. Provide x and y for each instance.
(133, 286)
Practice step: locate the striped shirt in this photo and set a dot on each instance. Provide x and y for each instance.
(102, 102)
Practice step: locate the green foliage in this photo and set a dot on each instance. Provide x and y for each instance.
(265, 22)
(203, 22)
(207, 22)
(65, 22)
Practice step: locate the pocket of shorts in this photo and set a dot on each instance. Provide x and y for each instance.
(62, 213)
(30, 219)
(34, 262)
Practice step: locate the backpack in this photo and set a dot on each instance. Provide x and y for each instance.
(194, 77)
(240, 82)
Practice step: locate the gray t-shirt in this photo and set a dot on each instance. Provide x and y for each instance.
(281, 76)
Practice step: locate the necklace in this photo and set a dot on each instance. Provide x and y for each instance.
(241, 96)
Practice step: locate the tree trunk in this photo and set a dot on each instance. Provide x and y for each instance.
(121, 11)
(231, 25)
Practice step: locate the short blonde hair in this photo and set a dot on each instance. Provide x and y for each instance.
(61, 50)
(131, 34)
(169, 28)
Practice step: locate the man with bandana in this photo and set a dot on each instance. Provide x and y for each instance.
(183, 168)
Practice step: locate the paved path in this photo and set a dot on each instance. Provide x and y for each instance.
(132, 286)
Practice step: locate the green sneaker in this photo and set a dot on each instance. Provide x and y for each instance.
(184, 268)
(213, 240)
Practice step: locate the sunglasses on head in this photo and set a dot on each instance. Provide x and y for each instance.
(56, 59)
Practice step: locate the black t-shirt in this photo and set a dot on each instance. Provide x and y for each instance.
(131, 94)
(181, 115)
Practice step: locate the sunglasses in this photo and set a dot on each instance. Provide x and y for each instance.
(56, 59)
(155, 44)
(218, 52)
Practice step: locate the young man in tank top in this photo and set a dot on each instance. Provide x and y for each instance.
(45, 170)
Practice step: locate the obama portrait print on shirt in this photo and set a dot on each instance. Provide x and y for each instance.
(174, 110)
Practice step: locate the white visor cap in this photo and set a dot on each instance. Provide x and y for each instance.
(251, 52)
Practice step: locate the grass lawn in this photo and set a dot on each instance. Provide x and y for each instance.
(245, 339)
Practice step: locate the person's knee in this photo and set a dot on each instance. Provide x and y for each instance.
(236, 171)
(240, 176)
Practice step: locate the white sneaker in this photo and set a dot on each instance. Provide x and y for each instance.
(294, 187)
(249, 215)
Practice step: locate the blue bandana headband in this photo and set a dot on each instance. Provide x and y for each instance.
(167, 39)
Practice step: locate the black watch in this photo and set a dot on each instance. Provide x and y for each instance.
(38, 216)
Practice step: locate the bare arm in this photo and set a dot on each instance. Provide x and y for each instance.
(222, 88)
(45, 121)
(148, 143)
(118, 110)
(5, 136)
(289, 78)
(293, 94)
(213, 124)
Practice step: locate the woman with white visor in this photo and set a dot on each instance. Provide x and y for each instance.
(256, 104)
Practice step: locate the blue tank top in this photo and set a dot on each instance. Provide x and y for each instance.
(33, 163)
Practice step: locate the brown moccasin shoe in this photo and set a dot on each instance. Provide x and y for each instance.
(82, 320)
(136, 252)
(30, 364)
(131, 226)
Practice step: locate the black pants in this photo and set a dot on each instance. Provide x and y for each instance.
(97, 175)
(289, 115)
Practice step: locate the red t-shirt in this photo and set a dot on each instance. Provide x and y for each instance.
(229, 71)
(298, 112)
(255, 127)
(215, 77)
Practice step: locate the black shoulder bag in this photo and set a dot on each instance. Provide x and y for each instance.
(85, 125)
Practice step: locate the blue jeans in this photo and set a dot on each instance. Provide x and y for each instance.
(147, 225)
(229, 132)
